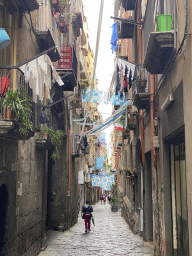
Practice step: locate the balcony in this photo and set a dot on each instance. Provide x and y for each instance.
(67, 68)
(83, 38)
(25, 6)
(77, 23)
(76, 101)
(125, 29)
(125, 134)
(128, 4)
(9, 123)
(132, 121)
(46, 41)
(141, 100)
(47, 33)
(159, 51)
(76, 149)
(140, 94)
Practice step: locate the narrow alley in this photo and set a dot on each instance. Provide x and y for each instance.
(110, 236)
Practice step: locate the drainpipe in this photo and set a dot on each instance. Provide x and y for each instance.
(69, 154)
(14, 47)
(44, 201)
(140, 61)
(152, 81)
(142, 137)
(190, 31)
(154, 157)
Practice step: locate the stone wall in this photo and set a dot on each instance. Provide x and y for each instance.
(29, 170)
(130, 215)
(21, 172)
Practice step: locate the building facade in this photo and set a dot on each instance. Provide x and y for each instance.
(42, 69)
(155, 171)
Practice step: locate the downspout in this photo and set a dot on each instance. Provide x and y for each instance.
(140, 61)
(152, 81)
(154, 156)
(142, 138)
(14, 47)
(69, 154)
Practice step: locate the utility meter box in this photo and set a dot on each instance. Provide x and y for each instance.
(156, 141)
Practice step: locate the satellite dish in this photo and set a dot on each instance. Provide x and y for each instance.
(4, 38)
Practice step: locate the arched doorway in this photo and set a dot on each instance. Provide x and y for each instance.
(3, 213)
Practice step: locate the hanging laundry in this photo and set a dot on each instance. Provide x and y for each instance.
(125, 79)
(121, 77)
(130, 79)
(85, 142)
(118, 82)
(114, 37)
(4, 84)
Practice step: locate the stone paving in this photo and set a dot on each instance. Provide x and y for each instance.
(110, 236)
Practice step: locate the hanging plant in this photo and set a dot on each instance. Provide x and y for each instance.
(56, 137)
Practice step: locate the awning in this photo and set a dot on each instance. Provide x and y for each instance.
(110, 120)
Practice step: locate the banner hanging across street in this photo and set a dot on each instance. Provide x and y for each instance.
(103, 181)
(96, 96)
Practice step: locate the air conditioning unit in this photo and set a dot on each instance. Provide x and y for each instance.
(76, 150)
(87, 177)
(86, 151)
(75, 91)
(156, 141)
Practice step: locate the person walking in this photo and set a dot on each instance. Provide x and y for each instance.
(101, 198)
(87, 209)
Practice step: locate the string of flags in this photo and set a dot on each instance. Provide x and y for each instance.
(118, 99)
(96, 96)
(103, 181)
(118, 126)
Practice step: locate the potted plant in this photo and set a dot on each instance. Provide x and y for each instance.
(56, 137)
(19, 104)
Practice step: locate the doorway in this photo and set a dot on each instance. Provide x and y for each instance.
(3, 214)
(179, 200)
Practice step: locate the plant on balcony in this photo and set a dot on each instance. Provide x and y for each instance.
(56, 137)
(19, 105)
(84, 85)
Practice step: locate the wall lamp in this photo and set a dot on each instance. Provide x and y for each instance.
(167, 102)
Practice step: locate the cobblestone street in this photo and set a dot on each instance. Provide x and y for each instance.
(110, 236)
